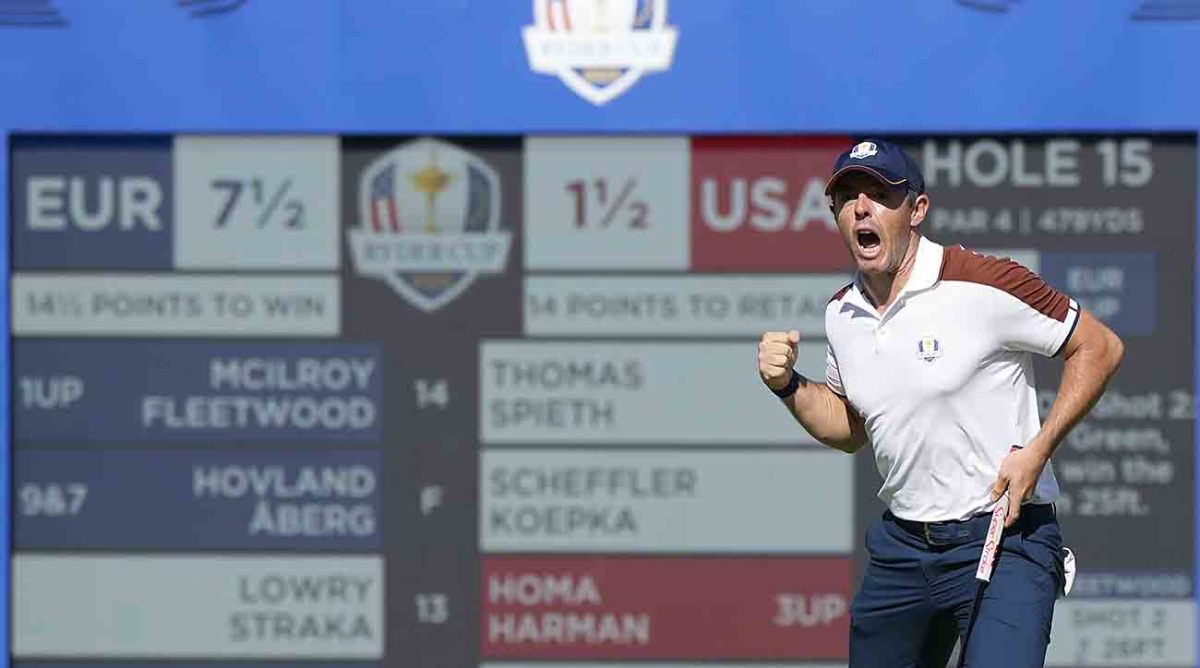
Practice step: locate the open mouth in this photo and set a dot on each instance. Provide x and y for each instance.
(867, 240)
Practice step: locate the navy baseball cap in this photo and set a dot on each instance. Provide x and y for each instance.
(881, 159)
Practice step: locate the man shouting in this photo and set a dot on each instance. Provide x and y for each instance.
(930, 361)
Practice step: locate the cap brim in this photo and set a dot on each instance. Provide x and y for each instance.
(886, 177)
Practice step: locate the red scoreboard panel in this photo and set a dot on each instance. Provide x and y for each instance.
(665, 607)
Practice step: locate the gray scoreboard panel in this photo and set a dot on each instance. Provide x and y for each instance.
(1109, 220)
(491, 401)
(430, 320)
(1105, 220)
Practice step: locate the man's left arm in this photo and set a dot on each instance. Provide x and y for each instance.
(1092, 355)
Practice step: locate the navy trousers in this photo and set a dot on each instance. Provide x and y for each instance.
(919, 589)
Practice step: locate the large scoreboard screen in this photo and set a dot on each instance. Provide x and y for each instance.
(461, 401)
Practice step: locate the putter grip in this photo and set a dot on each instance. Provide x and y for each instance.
(991, 543)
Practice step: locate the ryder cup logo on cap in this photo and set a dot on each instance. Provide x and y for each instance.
(881, 159)
(864, 149)
(429, 222)
(599, 48)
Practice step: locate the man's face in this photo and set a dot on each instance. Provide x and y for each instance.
(876, 221)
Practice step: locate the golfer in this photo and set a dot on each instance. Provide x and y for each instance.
(930, 360)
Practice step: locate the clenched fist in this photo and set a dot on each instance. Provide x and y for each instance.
(776, 357)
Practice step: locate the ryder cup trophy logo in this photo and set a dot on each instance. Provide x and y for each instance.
(929, 348)
(599, 48)
(429, 222)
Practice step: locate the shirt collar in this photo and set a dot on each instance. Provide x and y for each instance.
(927, 267)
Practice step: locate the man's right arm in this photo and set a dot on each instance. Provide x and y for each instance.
(824, 414)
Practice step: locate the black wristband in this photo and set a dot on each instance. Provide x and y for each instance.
(789, 389)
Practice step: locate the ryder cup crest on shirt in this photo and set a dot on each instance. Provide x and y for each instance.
(599, 48)
(429, 222)
(864, 149)
(929, 348)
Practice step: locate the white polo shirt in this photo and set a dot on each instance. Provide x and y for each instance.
(943, 378)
